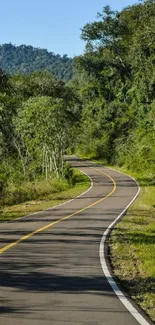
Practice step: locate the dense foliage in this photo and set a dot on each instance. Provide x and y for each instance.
(107, 110)
(26, 59)
(38, 117)
(116, 83)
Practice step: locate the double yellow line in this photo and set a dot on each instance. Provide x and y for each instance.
(5, 248)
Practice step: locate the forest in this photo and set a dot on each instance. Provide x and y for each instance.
(116, 83)
(25, 59)
(107, 109)
(39, 116)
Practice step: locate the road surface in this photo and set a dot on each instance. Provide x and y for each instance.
(50, 269)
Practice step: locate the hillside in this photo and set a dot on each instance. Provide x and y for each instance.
(26, 59)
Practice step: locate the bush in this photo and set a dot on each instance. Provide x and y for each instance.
(28, 191)
(69, 174)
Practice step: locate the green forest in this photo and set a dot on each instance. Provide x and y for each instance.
(39, 116)
(106, 111)
(116, 85)
(27, 59)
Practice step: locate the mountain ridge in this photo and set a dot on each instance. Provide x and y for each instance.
(25, 59)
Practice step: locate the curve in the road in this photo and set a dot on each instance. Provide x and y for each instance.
(127, 190)
(135, 313)
(5, 248)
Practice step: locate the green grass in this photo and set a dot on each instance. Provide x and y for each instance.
(132, 247)
(48, 195)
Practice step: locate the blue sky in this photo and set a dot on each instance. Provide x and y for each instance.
(51, 24)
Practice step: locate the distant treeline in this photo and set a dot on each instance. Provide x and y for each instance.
(26, 59)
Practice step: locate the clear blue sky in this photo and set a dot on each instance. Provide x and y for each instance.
(51, 24)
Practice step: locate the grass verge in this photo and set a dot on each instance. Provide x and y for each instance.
(132, 245)
(54, 195)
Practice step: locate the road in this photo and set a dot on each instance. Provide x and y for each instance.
(50, 269)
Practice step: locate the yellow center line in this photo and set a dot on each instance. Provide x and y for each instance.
(5, 248)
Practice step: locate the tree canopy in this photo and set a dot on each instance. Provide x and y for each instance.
(118, 85)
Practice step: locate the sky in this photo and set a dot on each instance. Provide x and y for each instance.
(51, 24)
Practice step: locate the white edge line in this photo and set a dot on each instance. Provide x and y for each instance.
(56, 206)
(141, 320)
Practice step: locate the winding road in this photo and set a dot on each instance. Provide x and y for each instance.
(54, 265)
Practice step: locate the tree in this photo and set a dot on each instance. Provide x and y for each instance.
(43, 127)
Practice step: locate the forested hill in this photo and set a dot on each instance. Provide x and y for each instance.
(26, 59)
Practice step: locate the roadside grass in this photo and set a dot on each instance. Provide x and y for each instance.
(132, 247)
(132, 244)
(48, 195)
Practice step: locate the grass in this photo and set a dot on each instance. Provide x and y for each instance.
(48, 195)
(132, 244)
(132, 247)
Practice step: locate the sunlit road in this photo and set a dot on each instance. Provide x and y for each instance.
(54, 276)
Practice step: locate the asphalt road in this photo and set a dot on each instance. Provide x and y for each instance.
(54, 276)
